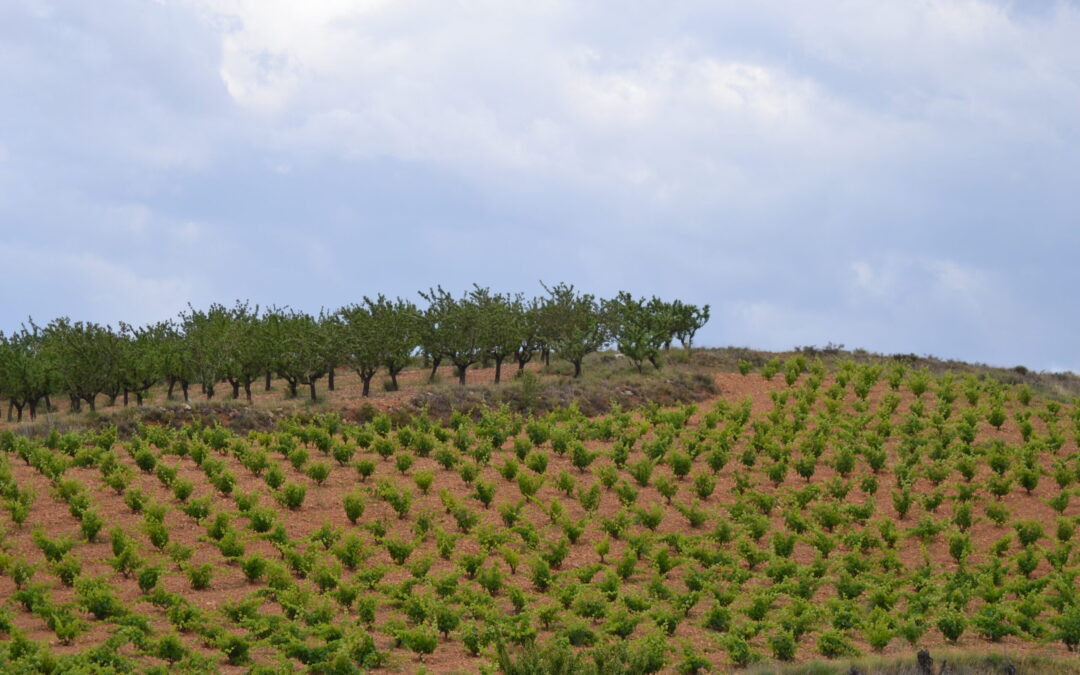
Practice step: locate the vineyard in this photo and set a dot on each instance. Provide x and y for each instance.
(806, 513)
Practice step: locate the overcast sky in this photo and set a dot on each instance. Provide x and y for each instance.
(898, 175)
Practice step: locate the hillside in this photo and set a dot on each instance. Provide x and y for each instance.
(839, 507)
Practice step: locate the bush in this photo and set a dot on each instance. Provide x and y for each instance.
(834, 644)
(318, 472)
(235, 648)
(783, 645)
(952, 625)
(354, 506)
(200, 576)
(738, 649)
(292, 495)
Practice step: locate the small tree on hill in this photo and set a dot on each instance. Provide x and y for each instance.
(398, 326)
(574, 324)
(501, 325)
(638, 329)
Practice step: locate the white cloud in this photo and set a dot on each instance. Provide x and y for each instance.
(838, 170)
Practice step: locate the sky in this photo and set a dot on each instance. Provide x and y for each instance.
(897, 175)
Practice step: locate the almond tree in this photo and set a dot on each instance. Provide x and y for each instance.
(175, 357)
(247, 348)
(399, 324)
(501, 325)
(144, 364)
(361, 340)
(530, 339)
(302, 354)
(25, 376)
(689, 319)
(574, 324)
(206, 336)
(82, 355)
(460, 328)
(638, 328)
(432, 337)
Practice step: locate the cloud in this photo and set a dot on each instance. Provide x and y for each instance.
(894, 175)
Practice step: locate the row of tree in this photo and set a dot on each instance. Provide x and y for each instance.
(242, 345)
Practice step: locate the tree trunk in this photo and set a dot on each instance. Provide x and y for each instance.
(435, 360)
(209, 389)
(312, 385)
(393, 380)
(169, 393)
(247, 390)
(19, 416)
(33, 410)
(522, 360)
(184, 388)
(655, 362)
(235, 388)
(366, 379)
(292, 387)
(545, 353)
(577, 368)
(48, 403)
(91, 401)
(461, 373)
(498, 368)
(138, 398)
(74, 403)
(330, 380)
(125, 397)
(267, 386)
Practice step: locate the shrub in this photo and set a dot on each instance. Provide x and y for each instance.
(783, 645)
(423, 479)
(318, 472)
(834, 644)
(200, 576)
(292, 495)
(399, 549)
(235, 648)
(1068, 625)
(91, 524)
(485, 492)
(737, 647)
(952, 625)
(704, 485)
(354, 506)
(170, 648)
(422, 639)
(253, 567)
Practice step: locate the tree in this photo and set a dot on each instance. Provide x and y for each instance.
(432, 337)
(688, 319)
(530, 338)
(83, 355)
(460, 328)
(175, 357)
(574, 324)
(303, 349)
(25, 375)
(206, 336)
(398, 325)
(501, 325)
(361, 340)
(638, 328)
(247, 347)
(144, 363)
